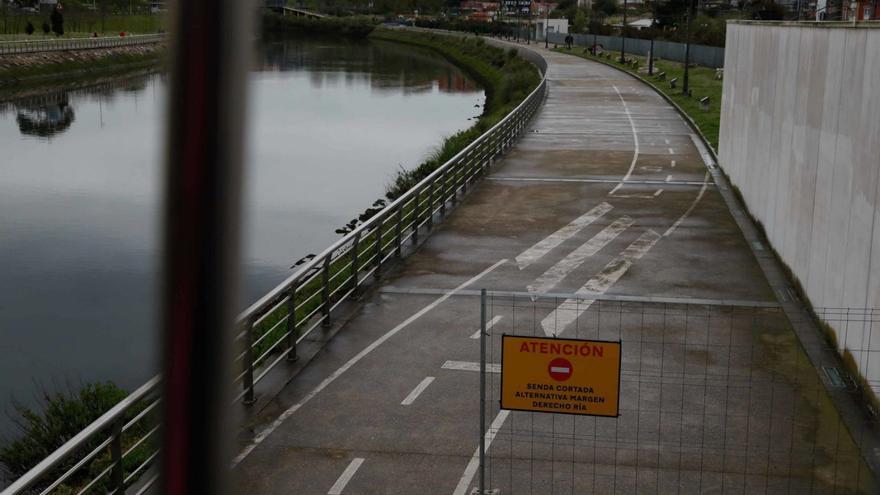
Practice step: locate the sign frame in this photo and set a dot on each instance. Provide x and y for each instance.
(555, 339)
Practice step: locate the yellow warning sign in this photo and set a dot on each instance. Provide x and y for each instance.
(567, 376)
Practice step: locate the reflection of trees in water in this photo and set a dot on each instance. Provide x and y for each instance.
(45, 121)
(380, 65)
(51, 113)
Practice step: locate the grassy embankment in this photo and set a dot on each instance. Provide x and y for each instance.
(80, 24)
(507, 78)
(17, 70)
(701, 80)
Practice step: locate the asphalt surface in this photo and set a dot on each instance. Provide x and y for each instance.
(607, 194)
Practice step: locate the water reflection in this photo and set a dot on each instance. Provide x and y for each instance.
(329, 124)
(384, 66)
(45, 118)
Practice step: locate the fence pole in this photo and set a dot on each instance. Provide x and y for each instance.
(379, 224)
(482, 487)
(398, 232)
(325, 294)
(354, 265)
(248, 380)
(291, 325)
(117, 475)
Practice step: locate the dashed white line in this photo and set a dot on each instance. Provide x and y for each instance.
(489, 324)
(666, 141)
(537, 251)
(672, 163)
(566, 313)
(470, 366)
(351, 362)
(658, 192)
(417, 391)
(669, 178)
(671, 151)
(635, 157)
(552, 277)
(474, 463)
(345, 477)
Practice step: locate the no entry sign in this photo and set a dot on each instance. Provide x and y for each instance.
(568, 376)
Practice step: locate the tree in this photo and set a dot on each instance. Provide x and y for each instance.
(604, 8)
(57, 19)
(580, 21)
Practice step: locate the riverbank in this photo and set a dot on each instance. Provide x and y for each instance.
(33, 70)
(506, 78)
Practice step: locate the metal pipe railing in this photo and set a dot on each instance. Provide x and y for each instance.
(306, 299)
(63, 44)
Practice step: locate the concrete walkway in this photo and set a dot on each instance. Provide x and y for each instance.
(608, 193)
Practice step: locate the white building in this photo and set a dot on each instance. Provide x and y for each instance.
(544, 26)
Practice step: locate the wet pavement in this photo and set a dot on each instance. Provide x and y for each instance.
(606, 202)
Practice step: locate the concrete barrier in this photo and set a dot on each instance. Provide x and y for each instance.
(800, 138)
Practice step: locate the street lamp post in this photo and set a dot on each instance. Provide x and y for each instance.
(687, 48)
(546, 27)
(651, 49)
(623, 36)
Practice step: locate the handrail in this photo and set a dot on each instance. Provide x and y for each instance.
(52, 45)
(115, 413)
(355, 257)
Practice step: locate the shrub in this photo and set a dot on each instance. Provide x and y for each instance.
(46, 28)
(59, 418)
(29, 28)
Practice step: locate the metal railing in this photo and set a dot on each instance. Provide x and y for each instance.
(55, 45)
(271, 328)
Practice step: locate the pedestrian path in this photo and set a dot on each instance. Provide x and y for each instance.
(607, 195)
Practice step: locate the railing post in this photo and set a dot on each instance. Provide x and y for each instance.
(248, 380)
(415, 227)
(431, 203)
(354, 265)
(443, 180)
(398, 232)
(291, 325)
(117, 474)
(325, 293)
(379, 224)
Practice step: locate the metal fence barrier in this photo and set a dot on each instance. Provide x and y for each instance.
(708, 56)
(271, 328)
(37, 46)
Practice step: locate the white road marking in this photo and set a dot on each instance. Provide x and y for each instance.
(671, 152)
(489, 324)
(635, 158)
(569, 311)
(552, 277)
(666, 141)
(345, 477)
(658, 192)
(474, 463)
(470, 366)
(351, 362)
(670, 230)
(672, 164)
(595, 181)
(543, 247)
(669, 178)
(417, 391)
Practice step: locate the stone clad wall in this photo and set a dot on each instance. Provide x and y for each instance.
(800, 138)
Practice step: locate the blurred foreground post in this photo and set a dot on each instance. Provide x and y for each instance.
(211, 42)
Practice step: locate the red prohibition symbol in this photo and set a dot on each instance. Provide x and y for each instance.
(560, 369)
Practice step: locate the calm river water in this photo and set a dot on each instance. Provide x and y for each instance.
(330, 123)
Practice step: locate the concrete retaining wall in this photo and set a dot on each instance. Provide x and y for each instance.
(800, 138)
